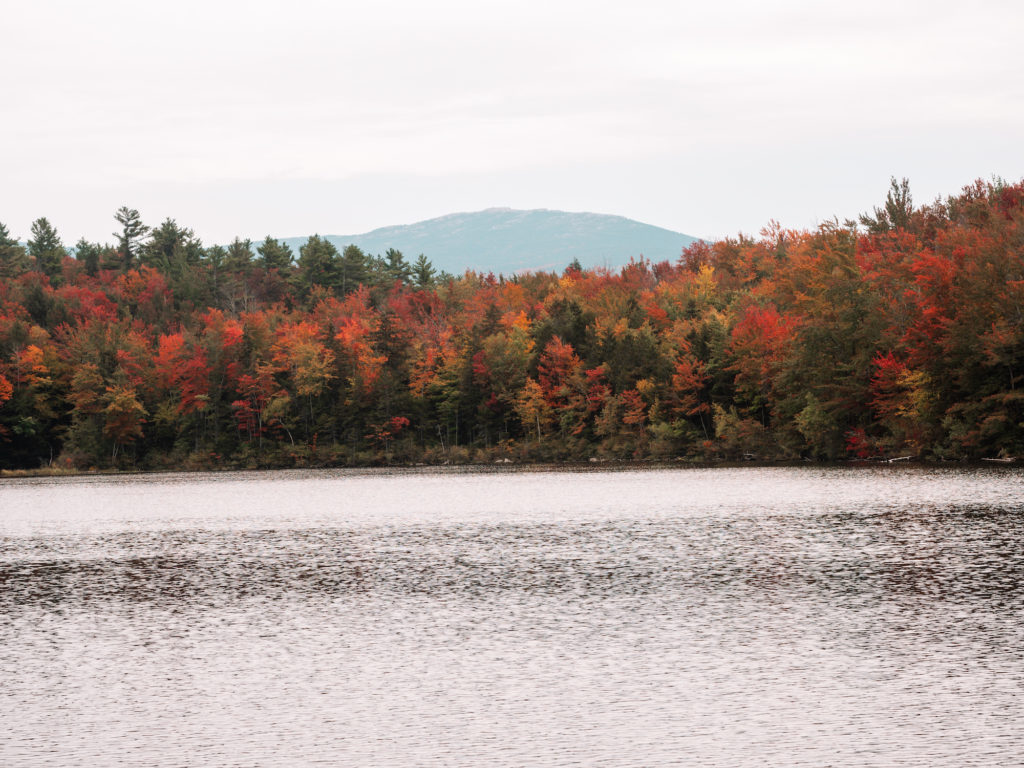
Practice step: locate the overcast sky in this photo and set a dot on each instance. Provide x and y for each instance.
(296, 117)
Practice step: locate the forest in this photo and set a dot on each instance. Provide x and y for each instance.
(898, 333)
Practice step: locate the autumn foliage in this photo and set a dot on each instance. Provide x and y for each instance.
(899, 335)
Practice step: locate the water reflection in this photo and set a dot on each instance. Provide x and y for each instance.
(676, 626)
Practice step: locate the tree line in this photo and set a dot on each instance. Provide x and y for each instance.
(900, 333)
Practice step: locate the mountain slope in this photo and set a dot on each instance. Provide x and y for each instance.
(508, 241)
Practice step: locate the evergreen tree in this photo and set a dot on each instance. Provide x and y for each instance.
(13, 259)
(353, 268)
(275, 255)
(396, 267)
(46, 249)
(177, 252)
(130, 236)
(89, 254)
(171, 248)
(234, 288)
(215, 258)
(899, 206)
(238, 258)
(319, 264)
(423, 272)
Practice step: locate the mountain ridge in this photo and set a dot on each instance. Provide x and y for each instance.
(510, 240)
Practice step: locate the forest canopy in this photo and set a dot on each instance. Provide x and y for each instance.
(899, 333)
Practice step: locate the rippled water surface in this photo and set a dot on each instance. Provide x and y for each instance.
(789, 617)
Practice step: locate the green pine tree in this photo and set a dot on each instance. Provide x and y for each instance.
(423, 272)
(319, 264)
(46, 249)
(13, 258)
(238, 259)
(354, 268)
(90, 255)
(130, 237)
(396, 267)
(275, 255)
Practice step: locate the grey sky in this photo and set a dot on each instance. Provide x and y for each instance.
(301, 117)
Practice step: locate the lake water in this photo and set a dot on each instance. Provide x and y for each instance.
(699, 617)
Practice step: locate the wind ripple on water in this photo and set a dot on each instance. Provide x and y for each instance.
(885, 637)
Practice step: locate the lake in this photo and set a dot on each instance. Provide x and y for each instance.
(701, 617)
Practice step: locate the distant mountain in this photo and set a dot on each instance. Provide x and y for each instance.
(509, 241)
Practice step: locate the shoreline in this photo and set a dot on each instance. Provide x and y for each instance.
(518, 465)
